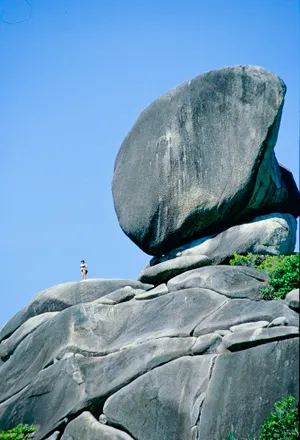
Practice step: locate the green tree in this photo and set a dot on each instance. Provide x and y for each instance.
(283, 271)
(20, 432)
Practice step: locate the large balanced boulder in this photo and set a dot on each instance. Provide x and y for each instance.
(190, 350)
(200, 159)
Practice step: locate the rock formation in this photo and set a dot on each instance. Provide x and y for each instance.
(200, 159)
(190, 351)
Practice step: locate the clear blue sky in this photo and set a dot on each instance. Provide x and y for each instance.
(74, 77)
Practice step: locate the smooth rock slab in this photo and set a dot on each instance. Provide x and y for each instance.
(166, 270)
(206, 342)
(292, 299)
(65, 295)
(244, 387)
(240, 311)
(165, 402)
(231, 281)
(273, 234)
(93, 329)
(153, 293)
(281, 320)
(179, 160)
(124, 294)
(70, 385)
(248, 326)
(86, 427)
(250, 338)
(54, 436)
(9, 345)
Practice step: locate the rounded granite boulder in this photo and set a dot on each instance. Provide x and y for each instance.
(200, 159)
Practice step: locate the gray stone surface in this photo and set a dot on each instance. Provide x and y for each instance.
(240, 311)
(7, 346)
(66, 295)
(54, 436)
(103, 419)
(248, 326)
(106, 301)
(124, 294)
(244, 387)
(153, 359)
(86, 427)
(178, 160)
(206, 343)
(273, 234)
(165, 402)
(51, 396)
(222, 332)
(251, 338)
(153, 293)
(281, 320)
(166, 270)
(292, 299)
(63, 389)
(93, 329)
(231, 281)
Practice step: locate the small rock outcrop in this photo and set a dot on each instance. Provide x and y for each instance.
(190, 350)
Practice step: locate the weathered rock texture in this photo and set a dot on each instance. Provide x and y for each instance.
(273, 234)
(66, 295)
(149, 362)
(200, 159)
(190, 351)
(86, 427)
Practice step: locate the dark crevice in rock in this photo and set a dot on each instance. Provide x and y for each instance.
(46, 437)
(139, 375)
(122, 428)
(14, 395)
(89, 354)
(224, 294)
(96, 407)
(250, 344)
(240, 269)
(39, 394)
(61, 426)
(212, 367)
(208, 316)
(202, 402)
(30, 332)
(5, 358)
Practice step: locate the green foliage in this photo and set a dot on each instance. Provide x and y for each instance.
(283, 423)
(21, 432)
(283, 271)
(232, 437)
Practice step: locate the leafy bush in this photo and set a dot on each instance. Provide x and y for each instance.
(21, 432)
(232, 437)
(283, 271)
(282, 423)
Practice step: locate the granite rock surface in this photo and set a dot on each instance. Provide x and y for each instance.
(206, 151)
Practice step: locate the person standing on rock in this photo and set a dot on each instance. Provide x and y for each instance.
(83, 269)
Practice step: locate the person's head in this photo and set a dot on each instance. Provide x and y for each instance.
(82, 261)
